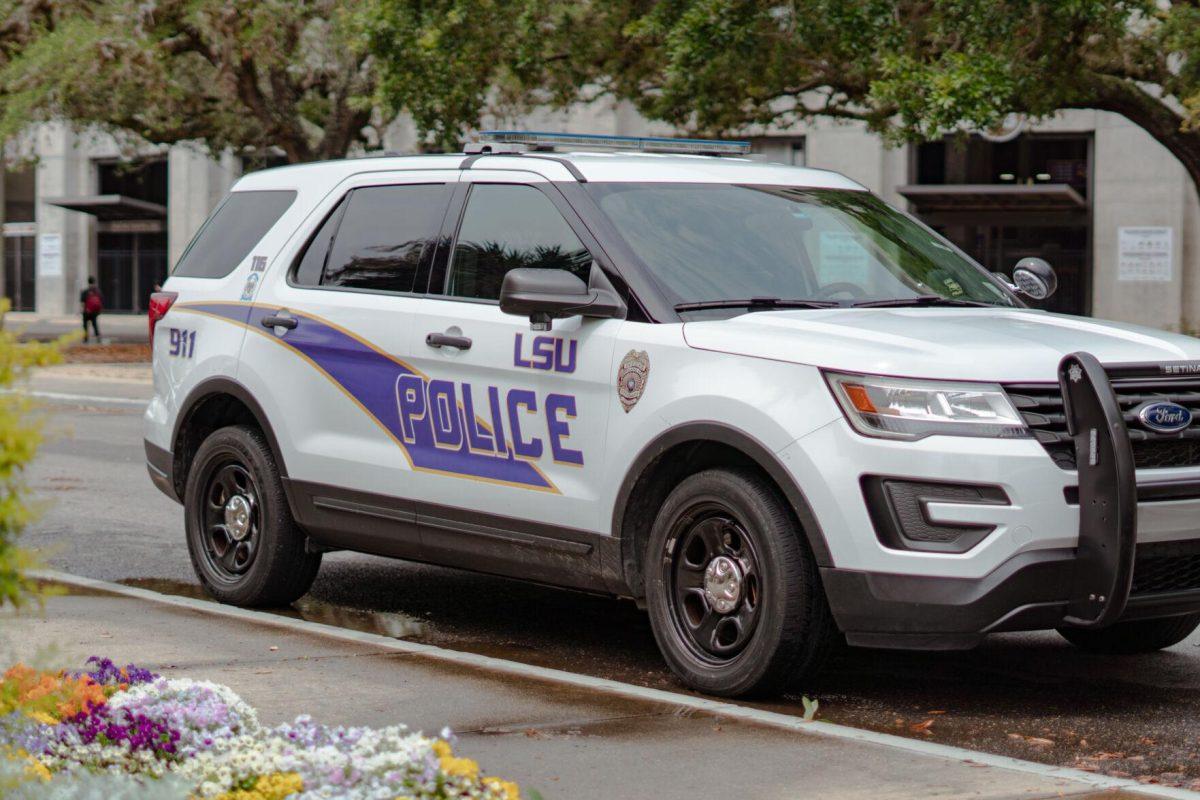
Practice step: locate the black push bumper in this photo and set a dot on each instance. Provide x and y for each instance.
(1088, 586)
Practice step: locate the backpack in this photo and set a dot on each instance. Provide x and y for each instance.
(92, 304)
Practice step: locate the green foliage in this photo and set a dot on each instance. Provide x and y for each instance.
(443, 61)
(240, 74)
(909, 69)
(20, 436)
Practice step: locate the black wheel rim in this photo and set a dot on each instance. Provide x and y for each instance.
(230, 526)
(713, 619)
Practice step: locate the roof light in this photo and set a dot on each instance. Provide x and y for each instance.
(538, 140)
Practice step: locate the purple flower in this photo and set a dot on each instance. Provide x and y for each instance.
(106, 726)
(106, 673)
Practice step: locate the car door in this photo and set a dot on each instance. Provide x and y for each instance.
(332, 327)
(525, 449)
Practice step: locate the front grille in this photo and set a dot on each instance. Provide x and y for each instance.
(1041, 405)
(1166, 567)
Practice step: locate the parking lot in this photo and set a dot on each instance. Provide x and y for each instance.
(1031, 696)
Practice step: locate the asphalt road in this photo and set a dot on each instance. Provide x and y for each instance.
(1027, 695)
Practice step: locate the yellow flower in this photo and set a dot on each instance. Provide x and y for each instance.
(509, 790)
(455, 767)
(268, 787)
(36, 769)
(42, 717)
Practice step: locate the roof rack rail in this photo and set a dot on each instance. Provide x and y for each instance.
(534, 141)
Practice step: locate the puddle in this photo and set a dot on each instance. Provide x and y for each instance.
(385, 623)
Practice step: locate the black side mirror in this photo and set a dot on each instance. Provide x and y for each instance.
(1035, 278)
(544, 295)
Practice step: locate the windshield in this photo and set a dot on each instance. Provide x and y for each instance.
(713, 246)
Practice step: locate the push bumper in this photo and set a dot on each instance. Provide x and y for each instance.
(1090, 585)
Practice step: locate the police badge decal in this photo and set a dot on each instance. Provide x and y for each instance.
(631, 378)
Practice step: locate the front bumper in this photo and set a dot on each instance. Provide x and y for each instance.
(1061, 553)
(1028, 592)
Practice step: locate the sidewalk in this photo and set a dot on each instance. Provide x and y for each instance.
(114, 327)
(565, 741)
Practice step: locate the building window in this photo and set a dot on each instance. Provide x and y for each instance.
(20, 196)
(780, 149)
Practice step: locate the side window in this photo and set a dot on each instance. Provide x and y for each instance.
(376, 238)
(231, 232)
(312, 263)
(508, 226)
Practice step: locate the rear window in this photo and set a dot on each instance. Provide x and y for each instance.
(231, 232)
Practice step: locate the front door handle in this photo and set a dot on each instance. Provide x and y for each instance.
(280, 322)
(446, 340)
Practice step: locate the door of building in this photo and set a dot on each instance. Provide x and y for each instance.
(1065, 246)
(130, 265)
(20, 278)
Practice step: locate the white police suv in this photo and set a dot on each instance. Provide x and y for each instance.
(754, 397)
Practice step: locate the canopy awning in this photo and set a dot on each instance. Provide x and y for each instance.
(111, 206)
(956, 198)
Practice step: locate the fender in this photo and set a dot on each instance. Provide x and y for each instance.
(201, 392)
(756, 451)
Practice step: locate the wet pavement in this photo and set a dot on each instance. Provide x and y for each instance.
(1031, 696)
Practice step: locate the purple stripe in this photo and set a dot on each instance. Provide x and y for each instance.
(370, 377)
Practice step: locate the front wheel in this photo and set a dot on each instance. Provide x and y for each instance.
(244, 545)
(1136, 636)
(734, 596)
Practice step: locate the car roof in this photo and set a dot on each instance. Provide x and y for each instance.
(593, 166)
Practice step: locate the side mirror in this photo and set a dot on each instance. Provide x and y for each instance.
(1035, 278)
(544, 295)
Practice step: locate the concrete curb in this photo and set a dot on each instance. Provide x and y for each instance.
(714, 707)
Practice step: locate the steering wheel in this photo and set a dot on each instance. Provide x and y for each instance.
(829, 290)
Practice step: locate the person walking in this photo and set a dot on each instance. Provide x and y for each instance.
(91, 303)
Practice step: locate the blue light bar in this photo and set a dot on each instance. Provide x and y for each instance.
(540, 140)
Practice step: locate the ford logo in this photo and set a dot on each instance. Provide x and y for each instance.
(1164, 417)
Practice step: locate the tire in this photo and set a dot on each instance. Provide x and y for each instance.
(1138, 636)
(779, 628)
(248, 552)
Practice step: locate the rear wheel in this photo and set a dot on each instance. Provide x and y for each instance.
(244, 545)
(735, 600)
(1138, 636)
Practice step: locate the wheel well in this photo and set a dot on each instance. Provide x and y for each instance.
(656, 481)
(207, 415)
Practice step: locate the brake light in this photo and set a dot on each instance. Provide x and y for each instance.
(160, 304)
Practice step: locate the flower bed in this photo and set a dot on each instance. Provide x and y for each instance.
(111, 731)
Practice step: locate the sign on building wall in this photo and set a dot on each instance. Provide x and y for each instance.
(49, 258)
(1145, 254)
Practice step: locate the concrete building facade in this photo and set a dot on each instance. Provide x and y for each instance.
(1109, 207)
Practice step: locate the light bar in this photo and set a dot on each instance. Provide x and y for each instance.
(539, 140)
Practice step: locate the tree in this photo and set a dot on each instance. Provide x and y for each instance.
(445, 62)
(910, 69)
(246, 75)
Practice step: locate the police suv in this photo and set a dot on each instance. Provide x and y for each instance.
(753, 397)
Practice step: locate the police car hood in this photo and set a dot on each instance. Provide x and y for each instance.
(978, 344)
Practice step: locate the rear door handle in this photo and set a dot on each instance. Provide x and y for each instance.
(280, 322)
(446, 340)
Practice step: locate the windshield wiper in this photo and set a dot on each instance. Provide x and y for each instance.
(919, 300)
(757, 304)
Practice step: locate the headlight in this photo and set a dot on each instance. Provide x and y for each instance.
(897, 408)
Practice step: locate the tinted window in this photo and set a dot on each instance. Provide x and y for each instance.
(234, 228)
(312, 263)
(384, 234)
(506, 227)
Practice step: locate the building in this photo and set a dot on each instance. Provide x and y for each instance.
(1093, 194)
